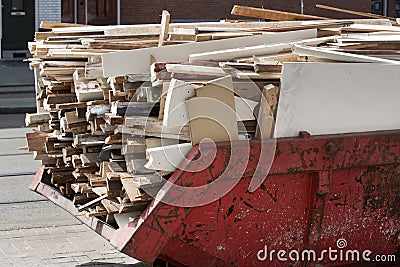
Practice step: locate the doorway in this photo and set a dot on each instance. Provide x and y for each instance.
(379, 7)
(18, 27)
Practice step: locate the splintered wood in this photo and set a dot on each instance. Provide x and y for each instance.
(121, 106)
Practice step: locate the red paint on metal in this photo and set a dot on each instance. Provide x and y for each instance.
(36, 180)
(319, 189)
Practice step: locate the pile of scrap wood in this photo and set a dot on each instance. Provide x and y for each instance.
(119, 107)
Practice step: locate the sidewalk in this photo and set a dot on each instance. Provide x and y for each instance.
(17, 89)
(34, 231)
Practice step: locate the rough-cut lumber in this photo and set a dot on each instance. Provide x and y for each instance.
(265, 116)
(37, 118)
(326, 98)
(51, 24)
(131, 189)
(139, 61)
(269, 14)
(165, 19)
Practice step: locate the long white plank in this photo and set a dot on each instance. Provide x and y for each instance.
(333, 98)
(138, 61)
(259, 50)
(326, 53)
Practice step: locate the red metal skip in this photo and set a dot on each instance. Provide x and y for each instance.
(319, 190)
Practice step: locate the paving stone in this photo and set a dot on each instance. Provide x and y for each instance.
(74, 245)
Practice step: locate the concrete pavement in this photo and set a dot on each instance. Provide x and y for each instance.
(15, 73)
(12, 121)
(17, 90)
(34, 231)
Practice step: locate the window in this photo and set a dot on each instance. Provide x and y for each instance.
(397, 8)
(17, 5)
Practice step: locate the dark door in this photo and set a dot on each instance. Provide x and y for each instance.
(18, 24)
(102, 12)
(68, 11)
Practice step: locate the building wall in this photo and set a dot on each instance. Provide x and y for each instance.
(48, 10)
(144, 11)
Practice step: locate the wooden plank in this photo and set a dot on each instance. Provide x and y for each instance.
(270, 14)
(139, 61)
(110, 206)
(260, 50)
(265, 116)
(154, 127)
(131, 189)
(195, 69)
(370, 28)
(100, 190)
(176, 27)
(52, 24)
(36, 141)
(37, 118)
(325, 98)
(175, 112)
(165, 19)
(163, 99)
(387, 38)
(71, 105)
(358, 13)
(92, 203)
(338, 56)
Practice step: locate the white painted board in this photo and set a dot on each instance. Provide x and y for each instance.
(167, 158)
(333, 98)
(139, 60)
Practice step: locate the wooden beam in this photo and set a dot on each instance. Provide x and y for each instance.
(270, 14)
(36, 119)
(52, 24)
(166, 17)
(362, 14)
(265, 115)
